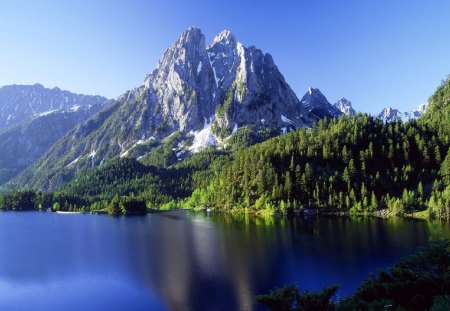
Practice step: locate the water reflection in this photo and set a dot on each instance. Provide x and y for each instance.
(190, 261)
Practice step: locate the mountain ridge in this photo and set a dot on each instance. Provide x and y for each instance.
(390, 114)
(19, 102)
(206, 93)
(33, 130)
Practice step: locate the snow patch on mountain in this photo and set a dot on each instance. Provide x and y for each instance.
(286, 120)
(204, 138)
(345, 106)
(199, 68)
(390, 114)
(235, 128)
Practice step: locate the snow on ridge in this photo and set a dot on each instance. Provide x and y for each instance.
(92, 155)
(46, 113)
(139, 142)
(73, 162)
(225, 34)
(286, 120)
(203, 138)
(235, 128)
(75, 108)
(241, 74)
(421, 108)
(199, 68)
(211, 61)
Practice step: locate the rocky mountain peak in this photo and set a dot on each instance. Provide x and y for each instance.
(389, 111)
(191, 36)
(317, 105)
(224, 38)
(314, 98)
(390, 114)
(345, 106)
(421, 108)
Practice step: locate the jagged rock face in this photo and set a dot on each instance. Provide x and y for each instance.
(345, 106)
(18, 102)
(206, 93)
(225, 57)
(235, 85)
(317, 105)
(418, 111)
(257, 95)
(180, 89)
(390, 114)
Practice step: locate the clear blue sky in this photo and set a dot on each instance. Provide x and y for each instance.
(375, 53)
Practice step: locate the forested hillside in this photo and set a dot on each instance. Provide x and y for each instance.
(351, 163)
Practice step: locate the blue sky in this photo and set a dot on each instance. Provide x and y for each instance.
(375, 53)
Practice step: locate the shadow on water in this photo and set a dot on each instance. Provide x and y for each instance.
(194, 261)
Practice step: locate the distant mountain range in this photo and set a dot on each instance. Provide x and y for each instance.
(19, 102)
(390, 114)
(33, 118)
(205, 94)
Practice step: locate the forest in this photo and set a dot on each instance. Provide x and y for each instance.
(356, 164)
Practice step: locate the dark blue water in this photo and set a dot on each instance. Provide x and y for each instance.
(185, 260)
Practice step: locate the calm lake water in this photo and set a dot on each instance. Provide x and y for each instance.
(185, 260)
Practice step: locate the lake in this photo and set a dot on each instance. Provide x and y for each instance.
(186, 260)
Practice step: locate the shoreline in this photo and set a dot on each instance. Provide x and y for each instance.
(382, 214)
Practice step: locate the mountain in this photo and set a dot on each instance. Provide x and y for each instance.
(22, 144)
(203, 93)
(418, 111)
(390, 114)
(317, 105)
(18, 102)
(345, 106)
(37, 118)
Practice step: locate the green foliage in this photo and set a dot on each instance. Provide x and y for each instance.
(241, 89)
(161, 156)
(244, 137)
(37, 200)
(439, 203)
(225, 108)
(123, 205)
(358, 164)
(290, 297)
(437, 115)
(441, 303)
